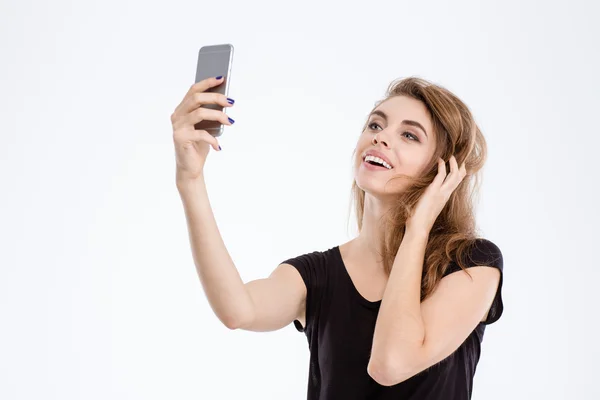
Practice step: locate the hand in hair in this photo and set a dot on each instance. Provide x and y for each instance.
(435, 197)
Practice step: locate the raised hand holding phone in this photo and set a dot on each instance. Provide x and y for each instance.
(200, 117)
(191, 145)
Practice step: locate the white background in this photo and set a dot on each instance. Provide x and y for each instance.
(99, 297)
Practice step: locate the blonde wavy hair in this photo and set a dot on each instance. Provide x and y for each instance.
(455, 232)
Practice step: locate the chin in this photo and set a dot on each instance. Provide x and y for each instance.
(374, 187)
(379, 187)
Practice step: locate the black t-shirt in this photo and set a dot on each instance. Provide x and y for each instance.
(340, 324)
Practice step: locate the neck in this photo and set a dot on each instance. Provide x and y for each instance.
(365, 247)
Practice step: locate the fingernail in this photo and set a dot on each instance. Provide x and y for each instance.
(219, 77)
(220, 148)
(230, 120)
(230, 101)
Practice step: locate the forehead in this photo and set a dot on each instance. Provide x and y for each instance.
(399, 108)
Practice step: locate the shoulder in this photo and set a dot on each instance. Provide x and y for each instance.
(311, 259)
(482, 253)
(484, 264)
(313, 265)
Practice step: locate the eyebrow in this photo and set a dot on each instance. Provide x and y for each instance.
(406, 121)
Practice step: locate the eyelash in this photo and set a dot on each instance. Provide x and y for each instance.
(412, 134)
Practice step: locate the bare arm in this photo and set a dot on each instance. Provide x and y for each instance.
(278, 300)
(220, 279)
(260, 305)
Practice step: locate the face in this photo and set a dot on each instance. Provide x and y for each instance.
(404, 135)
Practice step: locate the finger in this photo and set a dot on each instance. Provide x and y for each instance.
(204, 84)
(453, 164)
(453, 168)
(198, 87)
(463, 170)
(210, 139)
(195, 100)
(441, 175)
(198, 136)
(202, 114)
(456, 176)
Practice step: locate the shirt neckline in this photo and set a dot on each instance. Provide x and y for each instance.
(357, 295)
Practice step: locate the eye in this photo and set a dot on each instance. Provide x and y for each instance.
(415, 138)
(410, 134)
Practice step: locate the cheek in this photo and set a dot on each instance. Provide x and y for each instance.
(411, 164)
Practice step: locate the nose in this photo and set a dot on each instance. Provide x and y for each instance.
(378, 138)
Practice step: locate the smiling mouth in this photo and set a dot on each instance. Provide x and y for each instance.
(375, 164)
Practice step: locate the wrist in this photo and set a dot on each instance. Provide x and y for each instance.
(417, 232)
(188, 183)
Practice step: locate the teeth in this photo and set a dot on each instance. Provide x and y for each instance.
(378, 160)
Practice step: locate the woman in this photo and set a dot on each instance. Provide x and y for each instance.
(399, 312)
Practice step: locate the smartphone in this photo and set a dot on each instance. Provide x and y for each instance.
(214, 60)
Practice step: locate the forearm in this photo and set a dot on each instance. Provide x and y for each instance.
(218, 275)
(399, 330)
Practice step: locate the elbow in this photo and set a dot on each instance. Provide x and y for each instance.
(387, 374)
(379, 374)
(240, 322)
(232, 323)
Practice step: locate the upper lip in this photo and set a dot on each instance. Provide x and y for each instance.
(379, 154)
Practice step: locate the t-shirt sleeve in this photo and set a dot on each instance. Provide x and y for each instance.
(485, 253)
(312, 269)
